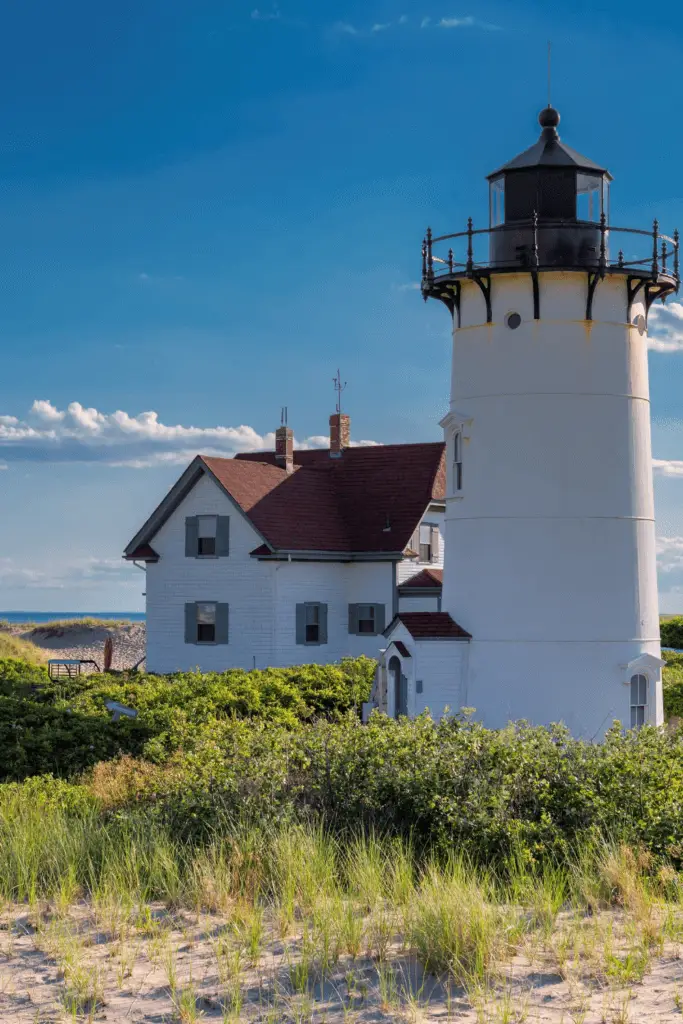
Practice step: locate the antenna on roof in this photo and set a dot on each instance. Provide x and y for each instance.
(549, 55)
(339, 387)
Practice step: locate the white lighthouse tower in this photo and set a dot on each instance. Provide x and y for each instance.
(550, 535)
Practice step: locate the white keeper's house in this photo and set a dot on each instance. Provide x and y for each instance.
(287, 557)
(510, 568)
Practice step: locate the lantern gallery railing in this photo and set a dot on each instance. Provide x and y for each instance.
(580, 245)
(536, 245)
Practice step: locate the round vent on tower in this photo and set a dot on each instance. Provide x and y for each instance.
(513, 320)
(640, 322)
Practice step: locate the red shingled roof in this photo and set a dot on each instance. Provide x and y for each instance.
(368, 501)
(340, 504)
(427, 579)
(431, 626)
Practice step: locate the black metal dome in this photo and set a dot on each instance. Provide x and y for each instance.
(550, 151)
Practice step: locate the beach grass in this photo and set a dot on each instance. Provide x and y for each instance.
(290, 923)
(12, 646)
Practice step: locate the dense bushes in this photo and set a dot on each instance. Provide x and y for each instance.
(64, 727)
(209, 753)
(671, 632)
(444, 786)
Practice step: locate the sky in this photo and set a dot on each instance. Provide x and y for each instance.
(207, 207)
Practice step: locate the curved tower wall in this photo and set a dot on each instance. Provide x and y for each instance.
(550, 557)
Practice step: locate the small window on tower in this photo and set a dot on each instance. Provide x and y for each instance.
(638, 700)
(457, 462)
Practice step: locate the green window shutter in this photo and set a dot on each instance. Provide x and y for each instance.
(301, 623)
(353, 618)
(191, 537)
(379, 618)
(434, 541)
(322, 619)
(191, 623)
(223, 536)
(222, 623)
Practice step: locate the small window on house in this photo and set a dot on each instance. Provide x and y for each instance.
(206, 623)
(312, 624)
(207, 529)
(457, 462)
(425, 542)
(638, 700)
(366, 618)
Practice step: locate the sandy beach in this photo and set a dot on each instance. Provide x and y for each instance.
(78, 640)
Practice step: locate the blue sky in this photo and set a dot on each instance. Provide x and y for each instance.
(207, 207)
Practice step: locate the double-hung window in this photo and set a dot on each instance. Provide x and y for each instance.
(206, 623)
(366, 619)
(638, 700)
(429, 542)
(207, 536)
(311, 623)
(207, 529)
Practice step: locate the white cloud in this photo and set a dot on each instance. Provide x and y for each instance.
(86, 573)
(425, 22)
(467, 22)
(258, 15)
(83, 434)
(665, 327)
(381, 26)
(344, 28)
(667, 467)
(403, 20)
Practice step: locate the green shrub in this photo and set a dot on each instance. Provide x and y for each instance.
(671, 632)
(63, 727)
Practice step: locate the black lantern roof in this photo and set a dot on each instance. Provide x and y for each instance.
(548, 211)
(550, 151)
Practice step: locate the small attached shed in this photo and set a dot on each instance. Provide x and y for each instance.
(425, 664)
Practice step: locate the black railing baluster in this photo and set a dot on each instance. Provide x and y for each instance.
(655, 248)
(534, 254)
(450, 261)
(470, 251)
(603, 249)
(664, 257)
(676, 246)
(424, 257)
(430, 258)
(620, 258)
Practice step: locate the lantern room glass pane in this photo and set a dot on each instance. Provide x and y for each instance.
(497, 202)
(589, 196)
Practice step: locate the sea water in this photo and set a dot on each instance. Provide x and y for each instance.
(52, 616)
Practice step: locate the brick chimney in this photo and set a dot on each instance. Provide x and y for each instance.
(340, 434)
(284, 448)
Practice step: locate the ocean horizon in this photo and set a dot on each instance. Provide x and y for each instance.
(51, 616)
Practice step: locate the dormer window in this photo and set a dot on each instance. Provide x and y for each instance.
(457, 462)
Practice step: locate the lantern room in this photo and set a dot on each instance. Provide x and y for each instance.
(547, 202)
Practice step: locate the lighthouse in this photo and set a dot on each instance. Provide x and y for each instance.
(550, 566)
